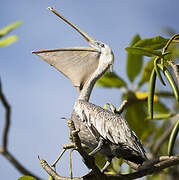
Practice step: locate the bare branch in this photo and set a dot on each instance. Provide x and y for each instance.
(17, 164)
(164, 162)
(169, 42)
(132, 165)
(175, 68)
(70, 162)
(7, 117)
(168, 162)
(51, 172)
(3, 149)
(122, 106)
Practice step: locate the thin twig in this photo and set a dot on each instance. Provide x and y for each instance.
(168, 162)
(175, 68)
(51, 172)
(169, 42)
(122, 107)
(61, 154)
(132, 165)
(70, 162)
(7, 118)
(17, 164)
(167, 45)
(4, 150)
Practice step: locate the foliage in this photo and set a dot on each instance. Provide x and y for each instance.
(116, 82)
(134, 60)
(173, 138)
(138, 111)
(4, 31)
(27, 178)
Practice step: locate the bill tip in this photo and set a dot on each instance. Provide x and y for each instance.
(50, 8)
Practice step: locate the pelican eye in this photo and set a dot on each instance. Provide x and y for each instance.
(102, 45)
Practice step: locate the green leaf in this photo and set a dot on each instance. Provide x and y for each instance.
(134, 62)
(161, 116)
(143, 51)
(151, 92)
(160, 107)
(27, 178)
(157, 70)
(164, 94)
(171, 81)
(111, 80)
(135, 115)
(175, 52)
(9, 40)
(154, 43)
(9, 28)
(146, 72)
(173, 138)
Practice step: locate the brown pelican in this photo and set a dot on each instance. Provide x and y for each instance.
(100, 130)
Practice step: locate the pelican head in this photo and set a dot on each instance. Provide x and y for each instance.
(107, 56)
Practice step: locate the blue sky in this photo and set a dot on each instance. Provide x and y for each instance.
(40, 95)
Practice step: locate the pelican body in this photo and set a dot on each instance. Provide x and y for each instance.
(100, 130)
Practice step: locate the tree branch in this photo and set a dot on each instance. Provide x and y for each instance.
(164, 162)
(3, 149)
(7, 117)
(17, 164)
(52, 173)
(175, 68)
(88, 160)
(168, 162)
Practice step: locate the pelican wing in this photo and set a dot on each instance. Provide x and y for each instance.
(110, 126)
(77, 64)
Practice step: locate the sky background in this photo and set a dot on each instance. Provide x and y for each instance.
(40, 95)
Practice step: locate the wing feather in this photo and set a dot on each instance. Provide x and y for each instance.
(110, 126)
(77, 64)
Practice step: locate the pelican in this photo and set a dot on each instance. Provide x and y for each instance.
(100, 130)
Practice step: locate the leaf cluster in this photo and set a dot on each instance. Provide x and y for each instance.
(146, 107)
(5, 41)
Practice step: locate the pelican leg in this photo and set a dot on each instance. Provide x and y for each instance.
(98, 148)
(108, 162)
